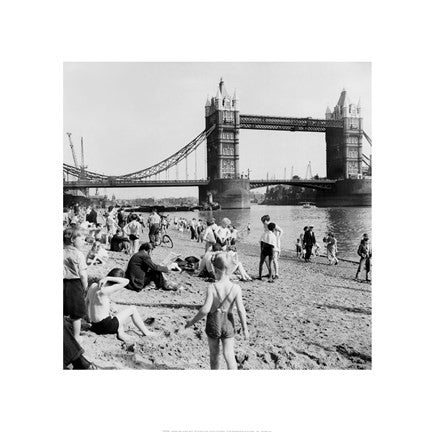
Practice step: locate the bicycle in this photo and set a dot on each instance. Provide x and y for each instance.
(163, 240)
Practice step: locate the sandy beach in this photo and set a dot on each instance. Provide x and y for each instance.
(315, 316)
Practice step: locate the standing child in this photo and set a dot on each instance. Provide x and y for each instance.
(298, 248)
(200, 230)
(277, 249)
(268, 245)
(74, 278)
(220, 299)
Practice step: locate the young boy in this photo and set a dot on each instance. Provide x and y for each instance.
(268, 245)
(74, 278)
(278, 233)
(298, 248)
(99, 310)
(276, 250)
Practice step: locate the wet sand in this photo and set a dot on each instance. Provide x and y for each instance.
(315, 316)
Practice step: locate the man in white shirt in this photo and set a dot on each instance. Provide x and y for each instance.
(154, 226)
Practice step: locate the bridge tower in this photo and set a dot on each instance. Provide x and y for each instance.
(344, 145)
(226, 186)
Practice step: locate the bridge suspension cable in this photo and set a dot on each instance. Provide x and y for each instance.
(153, 170)
(171, 160)
(367, 138)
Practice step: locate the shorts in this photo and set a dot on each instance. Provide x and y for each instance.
(298, 249)
(133, 237)
(73, 299)
(109, 325)
(220, 325)
(266, 250)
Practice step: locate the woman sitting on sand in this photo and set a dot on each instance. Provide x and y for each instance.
(99, 310)
(206, 264)
(220, 300)
(223, 233)
(239, 269)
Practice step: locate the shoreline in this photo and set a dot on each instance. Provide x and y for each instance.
(315, 316)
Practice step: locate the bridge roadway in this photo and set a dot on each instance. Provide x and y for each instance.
(127, 183)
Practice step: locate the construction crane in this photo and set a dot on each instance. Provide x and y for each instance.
(83, 167)
(74, 156)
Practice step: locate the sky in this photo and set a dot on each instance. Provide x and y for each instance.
(132, 115)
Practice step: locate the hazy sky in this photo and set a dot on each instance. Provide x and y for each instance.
(132, 115)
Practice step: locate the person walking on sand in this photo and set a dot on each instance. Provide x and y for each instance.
(365, 253)
(332, 248)
(298, 248)
(99, 308)
(308, 242)
(74, 278)
(133, 229)
(154, 221)
(219, 302)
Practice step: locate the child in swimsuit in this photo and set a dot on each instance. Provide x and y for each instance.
(98, 304)
(220, 300)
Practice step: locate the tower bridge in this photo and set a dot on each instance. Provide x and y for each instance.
(346, 164)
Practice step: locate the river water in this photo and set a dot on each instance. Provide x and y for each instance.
(348, 224)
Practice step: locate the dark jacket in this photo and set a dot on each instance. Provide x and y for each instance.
(309, 238)
(92, 217)
(138, 269)
(364, 251)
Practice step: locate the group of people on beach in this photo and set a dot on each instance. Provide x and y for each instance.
(220, 264)
(92, 303)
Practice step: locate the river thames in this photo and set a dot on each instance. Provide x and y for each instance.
(348, 224)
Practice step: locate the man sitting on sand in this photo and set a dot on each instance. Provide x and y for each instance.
(141, 271)
(120, 242)
(98, 307)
